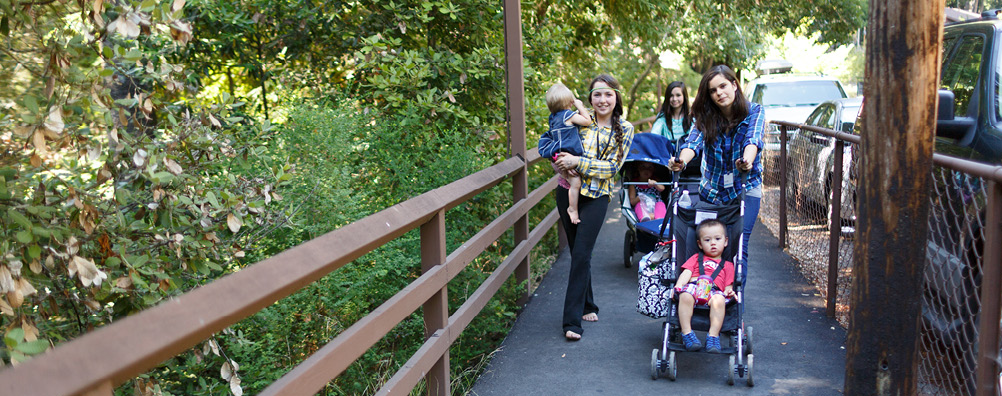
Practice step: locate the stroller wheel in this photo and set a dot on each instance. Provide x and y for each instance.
(672, 366)
(731, 367)
(628, 248)
(748, 341)
(751, 359)
(654, 364)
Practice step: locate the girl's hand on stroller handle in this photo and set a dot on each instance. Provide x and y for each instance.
(676, 164)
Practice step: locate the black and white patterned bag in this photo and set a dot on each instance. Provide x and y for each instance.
(652, 299)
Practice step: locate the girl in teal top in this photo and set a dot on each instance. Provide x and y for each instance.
(674, 121)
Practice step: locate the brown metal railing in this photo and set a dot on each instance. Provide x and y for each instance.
(98, 361)
(971, 374)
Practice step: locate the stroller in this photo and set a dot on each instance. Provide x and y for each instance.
(656, 150)
(659, 270)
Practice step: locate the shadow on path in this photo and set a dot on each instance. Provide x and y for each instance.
(798, 351)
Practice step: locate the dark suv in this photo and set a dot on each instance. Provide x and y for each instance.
(969, 126)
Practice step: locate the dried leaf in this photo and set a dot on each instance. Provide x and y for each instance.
(214, 121)
(235, 386)
(139, 158)
(50, 86)
(172, 166)
(87, 271)
(452, 99)
(147, 106)
(403, 27)
(233, 222)
(239, 254)
(226, 372)
(180, 31)
(124, 282)
(462, 78)
(5, 308)
(93, 305)
(35, 266)
(54, 122)
(23, 131)
(98, 5)
(214, 347)
(6, 280)
(25, 287)
(15, 265)
(30, 332)
(38, 140)
(127, 25)
(15, 297)
(72, 245)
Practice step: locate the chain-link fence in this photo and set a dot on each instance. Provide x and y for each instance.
(955, 250)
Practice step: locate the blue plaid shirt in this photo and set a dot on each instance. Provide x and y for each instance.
(729, 147)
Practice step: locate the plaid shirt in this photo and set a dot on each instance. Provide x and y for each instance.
(719, 159)
(598, 165)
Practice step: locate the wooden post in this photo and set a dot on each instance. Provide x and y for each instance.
(784, 185)
(902, 74)
(991, 296)
(835, 227)
(436, 310)
(516, 125)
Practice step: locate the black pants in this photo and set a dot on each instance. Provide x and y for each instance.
(581, 238)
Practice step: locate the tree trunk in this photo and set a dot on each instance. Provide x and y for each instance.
(902, 73)
(652, 60)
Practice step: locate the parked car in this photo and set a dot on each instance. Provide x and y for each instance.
(789, 96)
(811, 159)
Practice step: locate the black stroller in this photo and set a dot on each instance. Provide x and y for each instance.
(660, 270)
(656, 150)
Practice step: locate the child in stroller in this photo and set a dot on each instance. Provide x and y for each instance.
(641, 201)
(660, 271)
(713, 290)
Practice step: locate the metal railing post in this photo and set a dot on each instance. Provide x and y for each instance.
(987, 370)
(783, 186)
(436, 309)
(516, 127)
(835, 227)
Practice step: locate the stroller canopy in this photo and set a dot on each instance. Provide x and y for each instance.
(652, 148)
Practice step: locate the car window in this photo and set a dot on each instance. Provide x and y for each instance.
(757, 94)
(960, 74)
(829, 120)
(815, 115)
(998, 91)
(798, 93)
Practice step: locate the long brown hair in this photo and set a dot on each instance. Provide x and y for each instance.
(666, 109)
(617, 111)
(709, 118)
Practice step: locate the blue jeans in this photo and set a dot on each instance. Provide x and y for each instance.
(752, 206)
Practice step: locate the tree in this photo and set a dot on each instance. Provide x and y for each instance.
(118, 187)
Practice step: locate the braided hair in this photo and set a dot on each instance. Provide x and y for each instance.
(617, 112)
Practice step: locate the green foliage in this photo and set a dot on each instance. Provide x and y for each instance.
(118, 189)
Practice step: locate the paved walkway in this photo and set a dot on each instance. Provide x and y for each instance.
(798, 350)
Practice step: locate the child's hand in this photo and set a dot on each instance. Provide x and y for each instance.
(577, 102)
(654, 183)
(729, 294)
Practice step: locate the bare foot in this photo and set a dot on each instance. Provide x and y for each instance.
(573, 214)
(572, 336)
(590, 317)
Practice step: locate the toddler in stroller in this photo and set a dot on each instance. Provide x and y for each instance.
(719, 226)
(644, 175)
